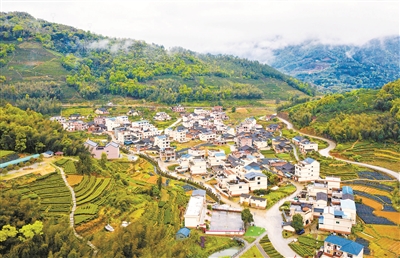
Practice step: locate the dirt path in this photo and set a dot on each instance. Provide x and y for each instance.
(71, 215)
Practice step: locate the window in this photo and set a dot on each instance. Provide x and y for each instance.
(337, 222)
(240, 187)
(259, 183)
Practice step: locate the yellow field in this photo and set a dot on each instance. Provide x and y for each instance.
(392, 216)
(389, 244)
(374, 204)
(74, 179)
(380, 252)
(369, 190)
(388, 231)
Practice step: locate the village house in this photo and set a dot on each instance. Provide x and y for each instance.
(101, 111)
(100, 120)
(302, 208)
(335, 246)
(307, 170)
(167, 154)
(161, 116)
(216, 158)
(197, 166)
(132, 112)
(207, 136)
(161, 141)
(196, 209)
(111, 149)
(178, 109)
(335, 220)
(253, 201)
(273, 127)
(179, 134)
(58, 119)
(306, 147)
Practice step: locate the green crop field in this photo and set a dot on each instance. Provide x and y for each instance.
(275, 196)
(269, 248)
(254, 231)
(4, 153)
(55, 198)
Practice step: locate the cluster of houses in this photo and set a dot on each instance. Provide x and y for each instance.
(327, 201)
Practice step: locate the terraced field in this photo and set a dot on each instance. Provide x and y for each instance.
(68, 165)
(90, 193)
(54, 196)
(380, 154)
(268, 248)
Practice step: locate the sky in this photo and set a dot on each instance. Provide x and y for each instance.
(243, 28)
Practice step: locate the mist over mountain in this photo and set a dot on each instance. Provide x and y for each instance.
(338, 67)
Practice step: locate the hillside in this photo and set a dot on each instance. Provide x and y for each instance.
(359, 114)
(54, 62)
(336, 68)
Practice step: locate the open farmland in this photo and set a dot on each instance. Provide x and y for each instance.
(54, 196)
(375, 153)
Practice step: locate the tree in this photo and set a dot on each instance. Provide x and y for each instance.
(247, 217)
(159, 182)
(233, 109)
(273, 179)
(297, 222)
(103, 160)
(29, 230)
(84, 165)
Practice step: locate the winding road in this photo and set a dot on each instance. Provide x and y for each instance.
(332, 145)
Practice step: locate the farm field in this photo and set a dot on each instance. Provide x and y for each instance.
(4, 153)
(379, 154)
(55, 198)
(74, 179)
(381, 229)
(306, 246)
(254, 231)
(268, 248)
(252, 252)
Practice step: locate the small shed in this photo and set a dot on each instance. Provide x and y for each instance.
(48, 154)
(182, 233)
(59, 153)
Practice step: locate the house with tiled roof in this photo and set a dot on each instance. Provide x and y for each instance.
(307, 170)
(335, 246)
(111, 149)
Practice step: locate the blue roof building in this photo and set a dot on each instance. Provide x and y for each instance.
(182, 233)
(347, 190)
(342, 247)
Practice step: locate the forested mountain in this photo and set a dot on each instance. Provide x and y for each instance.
(54, 62)
(359, 114)
(336, 68)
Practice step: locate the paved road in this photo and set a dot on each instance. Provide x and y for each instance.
(332, 145)
(247, 248)
(295, 152)
(271, 220)
(71, 215)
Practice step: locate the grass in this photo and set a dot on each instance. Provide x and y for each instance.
(172, 167)
(252, 252)
(283, 191)
(249, 239)
(184, 145)
(254, 231)
(4, 153)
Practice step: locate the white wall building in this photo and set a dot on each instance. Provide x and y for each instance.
(307, 170)
(161, 141)
(196, 209)
(198, 166)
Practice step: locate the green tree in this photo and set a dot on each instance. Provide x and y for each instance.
(84, 164)
(297, 222)
(247, 217)
(6, 232)
(103, 160)
(233, 109)
(159, 182)
(29, 230)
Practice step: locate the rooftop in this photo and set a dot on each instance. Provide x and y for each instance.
(347, 246)
(195, 206)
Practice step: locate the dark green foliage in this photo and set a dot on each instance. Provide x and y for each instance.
(99, 65)
(84, 164)
(28, 131)
(247, 217)
(356, 115)
(297, 222)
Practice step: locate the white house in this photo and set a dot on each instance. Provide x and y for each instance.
(207, 136)
(307, 170)
(196, 209)
(256, 181)
(179, 134)
(112, 123)
(237, 187)
(252, 201)
(216, 158)
(198, 166)
(161, 141)
(335, 220)
(308, 147)
(335, 246)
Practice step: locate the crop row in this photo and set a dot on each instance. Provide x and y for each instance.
(370, 196)
(303, 251)
(82, 218)
(82, 184)
(61, 162)
(84, 194)
(96, 193)
(89, 208)
(376, 185)
(268, 248)
(65, 199)
(69, 167)
(373, 175)
(365, 213)
(89, 185)
(310, 242)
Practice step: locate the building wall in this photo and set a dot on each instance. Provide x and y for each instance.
(330, 224)
(237, 189)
